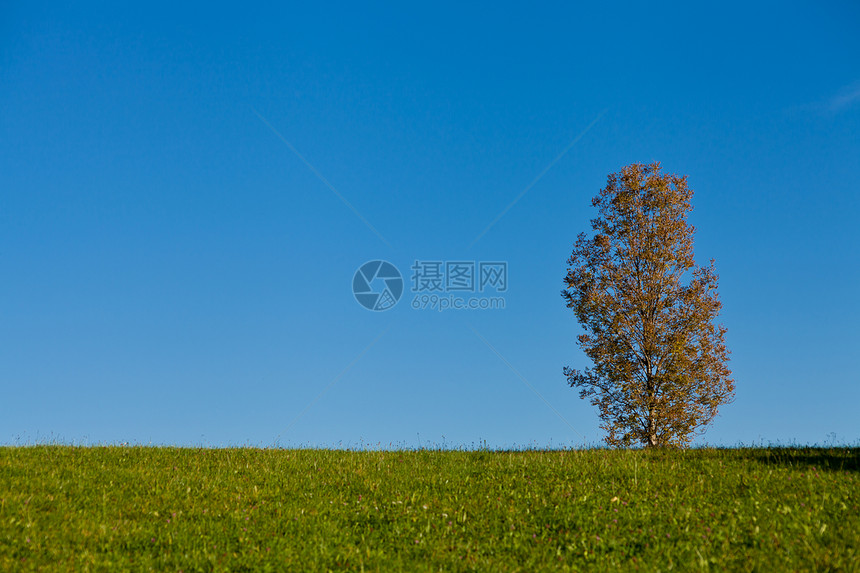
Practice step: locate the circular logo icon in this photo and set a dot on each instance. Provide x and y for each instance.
(377, 285)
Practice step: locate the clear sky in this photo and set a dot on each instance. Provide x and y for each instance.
(187, 191)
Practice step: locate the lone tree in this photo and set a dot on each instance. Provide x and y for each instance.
(659, 370)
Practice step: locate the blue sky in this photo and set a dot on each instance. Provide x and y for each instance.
(173, 272)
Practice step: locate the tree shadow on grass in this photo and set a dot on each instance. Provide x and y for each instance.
(830, 459)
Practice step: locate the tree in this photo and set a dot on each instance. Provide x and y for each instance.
(659, 361)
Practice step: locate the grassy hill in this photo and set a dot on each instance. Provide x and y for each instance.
(169, 509)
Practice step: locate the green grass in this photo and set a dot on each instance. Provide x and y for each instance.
(171, 509)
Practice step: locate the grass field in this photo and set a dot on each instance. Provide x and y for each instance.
(170, 509)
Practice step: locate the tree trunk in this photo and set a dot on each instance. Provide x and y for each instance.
(652, 422)
(652, 431)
